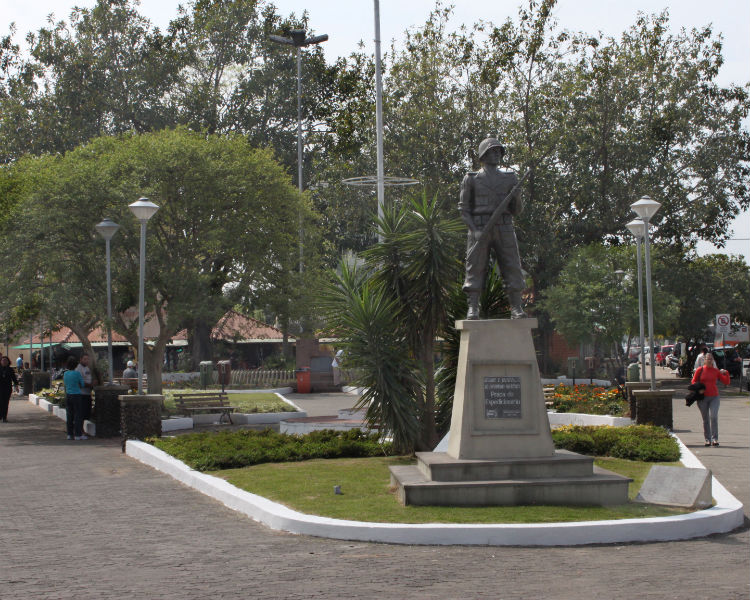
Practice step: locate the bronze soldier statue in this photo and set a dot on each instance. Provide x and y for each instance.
(482, 193)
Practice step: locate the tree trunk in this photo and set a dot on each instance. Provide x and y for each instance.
(201, 347)
(286, 347)
(154, 359)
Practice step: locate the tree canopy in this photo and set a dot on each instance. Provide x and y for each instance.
(227, 221)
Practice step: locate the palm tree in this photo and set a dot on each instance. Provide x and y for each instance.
(405, 287)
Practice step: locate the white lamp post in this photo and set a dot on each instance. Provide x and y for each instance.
(107, 229)
(143, 209)
(638, 228)
(646, 208)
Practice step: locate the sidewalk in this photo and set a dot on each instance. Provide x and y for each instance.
(81, 520)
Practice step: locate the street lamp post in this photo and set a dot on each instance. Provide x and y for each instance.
(107, 229)
(298, 38)
(646, 208)
(143, 209)
(379, 117)
(637, 227)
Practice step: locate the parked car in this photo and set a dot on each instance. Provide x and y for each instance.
(634, 355)
(728, 358)
(664, 352)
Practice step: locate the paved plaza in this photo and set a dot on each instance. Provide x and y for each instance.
(82, 520)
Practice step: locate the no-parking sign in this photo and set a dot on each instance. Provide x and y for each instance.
(722, 323)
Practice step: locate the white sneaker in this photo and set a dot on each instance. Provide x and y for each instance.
(82, 437)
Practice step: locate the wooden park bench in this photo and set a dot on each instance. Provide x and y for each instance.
(131, 382)
(212, 402)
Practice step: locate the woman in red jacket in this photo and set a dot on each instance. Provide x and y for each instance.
(708, 375)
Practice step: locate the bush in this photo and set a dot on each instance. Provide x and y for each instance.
(230, 450)
(636, 442)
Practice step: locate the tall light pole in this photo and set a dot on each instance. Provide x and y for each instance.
(143, 209)
(379, 117)
(298, 38)
(638, 228)
(646, 208)
(107, 229)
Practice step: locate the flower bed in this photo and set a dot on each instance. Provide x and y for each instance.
(592, 400)
(54, 396)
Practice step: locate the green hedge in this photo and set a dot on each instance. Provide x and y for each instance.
(235, 449)
(636, 442)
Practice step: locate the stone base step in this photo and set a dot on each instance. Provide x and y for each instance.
(598, 489)
(439, 466)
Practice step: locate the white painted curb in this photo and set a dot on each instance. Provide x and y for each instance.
(556, 419)
(725, 516)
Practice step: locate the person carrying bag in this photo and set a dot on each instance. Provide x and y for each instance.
(708, 375)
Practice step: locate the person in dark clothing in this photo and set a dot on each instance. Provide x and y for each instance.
(8, 382)
(73, 381)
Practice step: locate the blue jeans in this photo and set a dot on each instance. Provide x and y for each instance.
(709, 408)
(74, 415)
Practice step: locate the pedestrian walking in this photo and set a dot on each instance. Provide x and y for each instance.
(8, 382)
(73, 381)
(708, 375)
(700, 360)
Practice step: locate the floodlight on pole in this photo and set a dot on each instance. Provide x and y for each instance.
(107, 229)
(638, 228)
(646, 208)
(143, 209)
(298, 39)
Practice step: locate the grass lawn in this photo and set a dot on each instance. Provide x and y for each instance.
(262, 402)
(365, 482)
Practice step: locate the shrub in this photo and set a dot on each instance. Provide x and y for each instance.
(636, 442)
(228, 450)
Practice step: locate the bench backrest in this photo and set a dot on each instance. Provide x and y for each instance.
(217, 399)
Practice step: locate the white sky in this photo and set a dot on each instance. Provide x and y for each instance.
(347, 23)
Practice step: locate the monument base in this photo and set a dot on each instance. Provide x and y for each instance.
(500, 450)
(565, 478)
(498, 404)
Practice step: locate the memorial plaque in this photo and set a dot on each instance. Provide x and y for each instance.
(502, 397)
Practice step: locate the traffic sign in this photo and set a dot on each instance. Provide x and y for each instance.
(722, 323)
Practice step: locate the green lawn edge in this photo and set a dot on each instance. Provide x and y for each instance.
(245, 402)
(308, 487)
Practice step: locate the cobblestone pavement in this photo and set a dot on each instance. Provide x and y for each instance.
(81, 520)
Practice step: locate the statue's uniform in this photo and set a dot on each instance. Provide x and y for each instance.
(481, 193)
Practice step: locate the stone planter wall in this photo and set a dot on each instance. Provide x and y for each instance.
(630, 387)
(140, 416)
(654, 407)
(107, 398)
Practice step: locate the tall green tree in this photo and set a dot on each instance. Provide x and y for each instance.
(592, 303)
(405, 288)
(227, 222)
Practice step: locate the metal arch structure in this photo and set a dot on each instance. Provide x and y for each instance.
(372, 180)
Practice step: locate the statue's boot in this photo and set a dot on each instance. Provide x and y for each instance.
(516, 306)
(473, 313)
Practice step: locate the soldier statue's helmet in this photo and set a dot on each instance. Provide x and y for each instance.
(488, 144)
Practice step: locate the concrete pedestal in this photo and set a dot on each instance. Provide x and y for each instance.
(630, 387)
(498, 406)
(500, 450)
(654, 407)
(107, 399)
